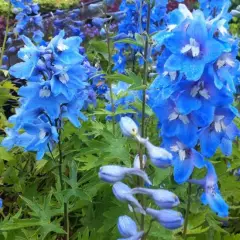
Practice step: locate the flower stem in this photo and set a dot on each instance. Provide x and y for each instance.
(187, 211)
(145, 78)
(6, 33)
(109, 82)
(66, 220)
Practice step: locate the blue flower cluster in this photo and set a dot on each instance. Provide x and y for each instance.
(29, 20)
(133, 19)
(164, 199)
(193, 93)
(56, 89)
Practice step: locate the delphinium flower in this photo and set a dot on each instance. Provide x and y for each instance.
(213, 7)
(56, 89)
(211, 194)
(29, 20)
(133, 23)
(193, 94)
(164, 199)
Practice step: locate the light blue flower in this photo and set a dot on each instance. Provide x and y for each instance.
(212, 195)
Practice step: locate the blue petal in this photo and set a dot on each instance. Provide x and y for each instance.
(187, 133)
(31, 129)
(226, 146)
(212, 50)
(186, 103)
(197, 28)
(174, 63)
(170, 128)
(176, 42)
(193, 68)
(197, 159)
(217, 204)
(204, 198)
(204, 115)
(182, 169)
(209, 142)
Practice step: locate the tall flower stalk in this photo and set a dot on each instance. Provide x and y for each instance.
(6, 33)
(145, 78)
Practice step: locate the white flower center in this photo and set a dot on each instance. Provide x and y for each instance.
(225, 60)
(172, 75)
(61, 46)
(174, 115)
(44, 92)
(199, 89)
(42, 133)
(192, 47)
(179, 148)
(219, 125)
(119, 60)
(64, 78)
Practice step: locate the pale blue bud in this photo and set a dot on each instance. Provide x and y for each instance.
(126, 226)
(128, 126)
(123, 193)
(162, 198)
(160, 157)
(169, 219)
(136, 162)
(135, 237)
(114, 173)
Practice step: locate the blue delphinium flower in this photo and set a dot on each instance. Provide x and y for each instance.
(56, 89)
(193, 92)
(212, 195)
(184, 159)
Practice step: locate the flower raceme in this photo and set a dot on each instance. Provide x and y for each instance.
(56, 89)
(162, 198)
(193, 92)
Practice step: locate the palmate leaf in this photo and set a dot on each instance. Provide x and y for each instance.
(72, 181)
(20, 223)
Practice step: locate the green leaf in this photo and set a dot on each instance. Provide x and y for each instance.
(130, 41)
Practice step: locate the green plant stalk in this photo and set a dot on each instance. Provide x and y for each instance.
(187, 211)
(6, 33)
(109, 82)
(66, 220)
(145, 78)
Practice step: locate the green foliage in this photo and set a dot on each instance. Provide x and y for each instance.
(46, 5)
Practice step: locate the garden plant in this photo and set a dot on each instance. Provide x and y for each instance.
(119, 120)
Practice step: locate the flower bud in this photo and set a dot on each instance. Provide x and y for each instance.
(136, 162)
(169, 219)
(123, 193)
(114, 173)
(128, 126)
(161, 197)
(160, 157)
(126, 226)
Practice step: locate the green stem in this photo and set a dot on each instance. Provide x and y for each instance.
(187, 211)
(6, 33)
(109, 83)
(66, 220)
(149, 228)
(145, 78)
